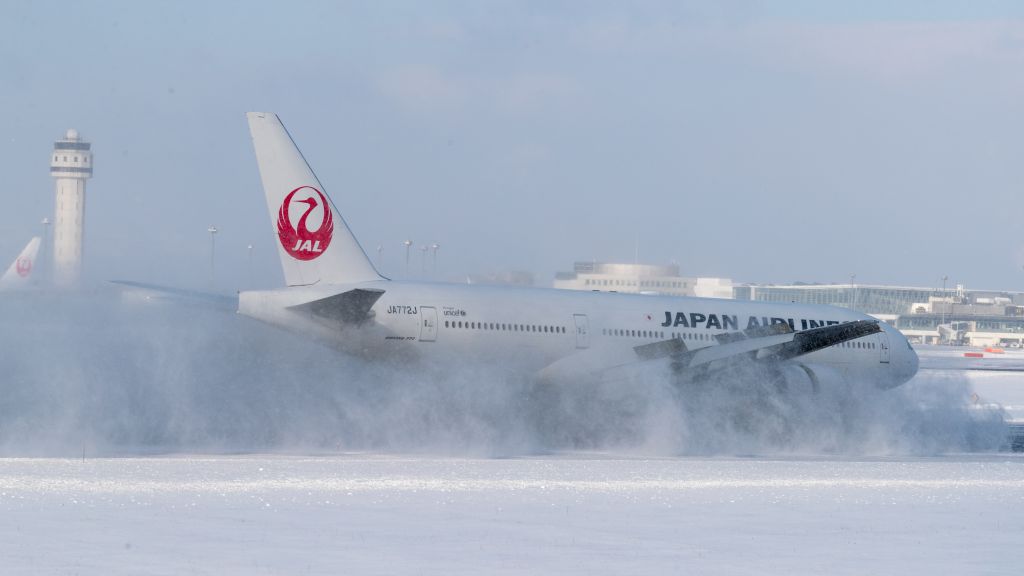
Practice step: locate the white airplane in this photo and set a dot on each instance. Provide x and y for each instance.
(19, 274)
(334, 294)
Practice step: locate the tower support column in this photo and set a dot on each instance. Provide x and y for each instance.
(70, 166)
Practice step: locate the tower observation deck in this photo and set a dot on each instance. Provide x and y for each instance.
(70, 166)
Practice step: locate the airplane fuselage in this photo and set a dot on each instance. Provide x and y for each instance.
(536, 328)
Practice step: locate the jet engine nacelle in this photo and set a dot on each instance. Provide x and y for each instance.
(797, 377)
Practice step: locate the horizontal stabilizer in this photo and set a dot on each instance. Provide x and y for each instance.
(154, 291)
(352, 307)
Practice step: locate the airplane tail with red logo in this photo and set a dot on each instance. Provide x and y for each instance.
(315, 244)
(22, 271)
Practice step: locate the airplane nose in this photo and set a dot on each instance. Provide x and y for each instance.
(913, 362)
(904, 357)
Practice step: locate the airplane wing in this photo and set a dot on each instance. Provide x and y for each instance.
(765, 344)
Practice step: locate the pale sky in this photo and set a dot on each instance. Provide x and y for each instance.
(766, 142)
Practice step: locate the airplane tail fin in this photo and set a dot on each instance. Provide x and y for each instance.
(21, 272)
(314, 242)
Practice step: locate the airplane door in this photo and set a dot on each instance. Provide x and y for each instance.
(582, 330)
(883, 347)
(428, 324)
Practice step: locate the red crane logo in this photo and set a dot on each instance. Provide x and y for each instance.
(23, 267)
(300, 242)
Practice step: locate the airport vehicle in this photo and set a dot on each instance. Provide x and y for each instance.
(334, 294)
(20, 274)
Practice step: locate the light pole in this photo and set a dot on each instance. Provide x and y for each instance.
(853, 292)
(423, 259)
(407, 244)
(435, 246)
(248, 263)
(943, 316)
(213, 243)
(380, 251)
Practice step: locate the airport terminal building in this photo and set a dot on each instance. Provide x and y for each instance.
(925, 315)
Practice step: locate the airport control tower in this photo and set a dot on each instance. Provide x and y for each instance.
(71, 165)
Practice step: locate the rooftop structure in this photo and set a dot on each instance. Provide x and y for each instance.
(640, 279)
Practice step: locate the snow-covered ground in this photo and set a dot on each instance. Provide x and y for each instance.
(996, 378)
(583, 514)
(583, 479)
